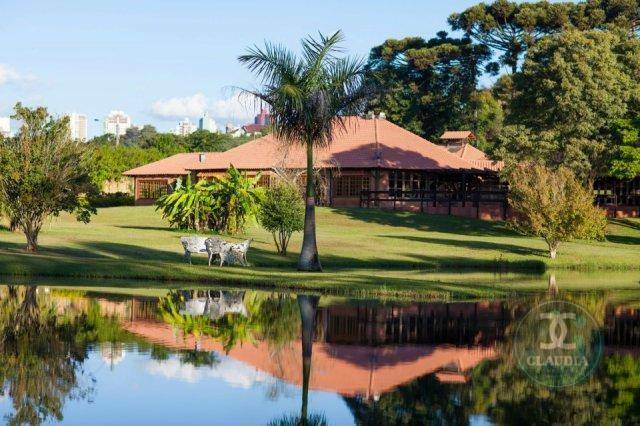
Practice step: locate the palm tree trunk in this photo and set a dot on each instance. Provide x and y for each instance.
(308, 306)
(309, 260)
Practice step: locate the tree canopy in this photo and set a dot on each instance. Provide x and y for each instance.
(573, 89)
(426, 86)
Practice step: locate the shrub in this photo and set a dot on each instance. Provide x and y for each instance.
(282, 213)
(554, 205)
(235, 198)
(223, 204)
(112, 200)
(188, 206)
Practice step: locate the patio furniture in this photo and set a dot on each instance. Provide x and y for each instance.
(230, 253)
(193, 244)
(213, 246)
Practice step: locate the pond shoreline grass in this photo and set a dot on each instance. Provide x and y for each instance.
(364, 252)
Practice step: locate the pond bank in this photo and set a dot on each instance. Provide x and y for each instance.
(431, 286)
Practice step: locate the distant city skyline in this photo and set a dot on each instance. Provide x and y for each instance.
(117, 123)
(185, 127)
(136, 57)
(207, 123)
(78, 126)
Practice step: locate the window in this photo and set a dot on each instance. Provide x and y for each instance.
(265, 181)
(152, 189)
(350, 186)
(400, 181)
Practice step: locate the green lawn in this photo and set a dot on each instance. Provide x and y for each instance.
(363, 251)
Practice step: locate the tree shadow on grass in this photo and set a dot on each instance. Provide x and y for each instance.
(156, 228)
(428, 222)
(635, 225)
(474, 244)
(623, 239)
(626, 239)
(267, 259)
(431, 263)
(95, 250)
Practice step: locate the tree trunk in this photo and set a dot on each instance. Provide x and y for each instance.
(553, 249)
(309, 260)
(28, 315)
(308, 306)
(31, 232)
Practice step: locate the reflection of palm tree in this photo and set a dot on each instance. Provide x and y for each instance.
(308, 306)
(232, 329)
(187, 324)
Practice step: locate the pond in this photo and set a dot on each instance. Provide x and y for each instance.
(231, 356)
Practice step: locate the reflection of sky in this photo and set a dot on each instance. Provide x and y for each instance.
(140, 390)
(233, 373)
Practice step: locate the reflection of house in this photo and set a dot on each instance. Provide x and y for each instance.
(371, 162)
(363, 349)
(346, 369)
(470, 324)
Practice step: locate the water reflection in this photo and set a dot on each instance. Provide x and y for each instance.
(301, 359)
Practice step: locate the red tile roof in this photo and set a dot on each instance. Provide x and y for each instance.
(457, 134)
(174, 165)
(366, 143)
(253, 128)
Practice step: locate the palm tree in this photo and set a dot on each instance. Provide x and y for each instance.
(309, 97)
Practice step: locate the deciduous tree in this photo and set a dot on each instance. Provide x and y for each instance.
(43, 172)
(282, 213)
(553, 205)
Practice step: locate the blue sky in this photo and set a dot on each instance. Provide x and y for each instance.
(162, 60)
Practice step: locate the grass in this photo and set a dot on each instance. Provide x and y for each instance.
(364, 251)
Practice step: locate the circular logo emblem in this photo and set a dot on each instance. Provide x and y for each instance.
(558, 344)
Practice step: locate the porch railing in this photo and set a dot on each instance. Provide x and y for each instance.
(369, 198)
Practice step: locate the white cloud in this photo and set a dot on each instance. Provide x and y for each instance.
(10, 75)
(237, 108)
(190, 106)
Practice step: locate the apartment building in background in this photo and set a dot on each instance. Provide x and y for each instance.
(78, 126)
(185, 128)
(207, 123)
(117, 123)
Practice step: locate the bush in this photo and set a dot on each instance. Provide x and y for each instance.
(554, 205)
(188, 206)
(235, 198)
(115, 199)
(282, 213)
(223, 204)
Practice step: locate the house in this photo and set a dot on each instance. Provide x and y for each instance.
(254, 129)
(370, 163)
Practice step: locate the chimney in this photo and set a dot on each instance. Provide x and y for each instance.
(382, 116)
(201, 157)
(370, 115)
